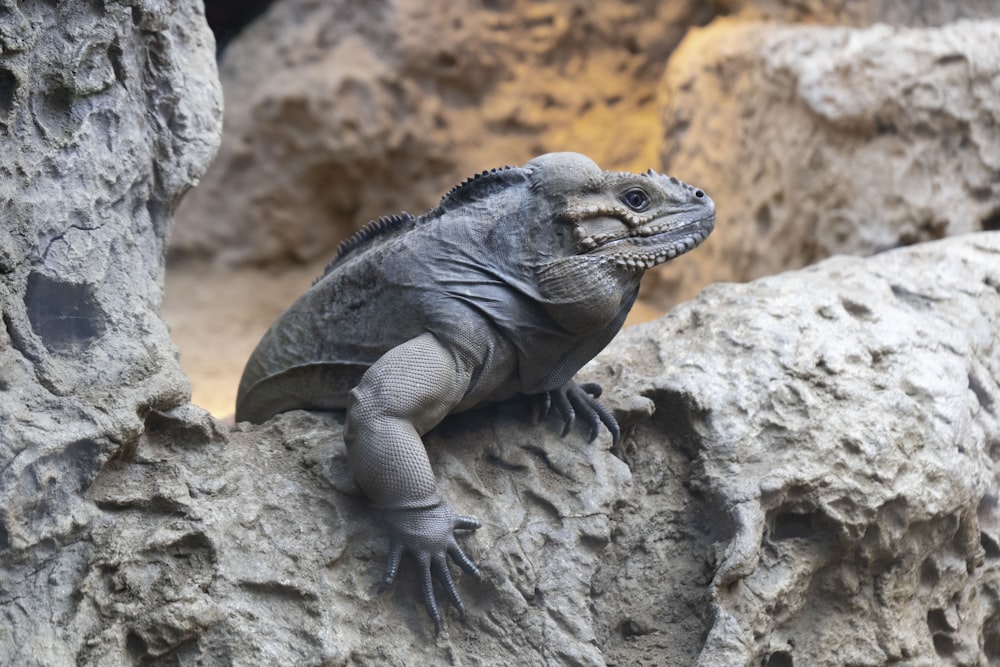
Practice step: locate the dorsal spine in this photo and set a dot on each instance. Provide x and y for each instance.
(471, 189)
(371, 229)
(481, 185)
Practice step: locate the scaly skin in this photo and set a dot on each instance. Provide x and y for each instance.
(509, 286)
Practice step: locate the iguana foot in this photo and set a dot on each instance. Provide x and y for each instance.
(429, 534)
(573, 399)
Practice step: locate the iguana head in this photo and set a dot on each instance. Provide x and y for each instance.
(605, 229)
(566, 235)
(631, 221)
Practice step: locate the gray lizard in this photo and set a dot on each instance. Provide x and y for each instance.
(509, 286)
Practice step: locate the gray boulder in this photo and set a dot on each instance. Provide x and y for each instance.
(808, 476)
(835, 433)
(107, 115)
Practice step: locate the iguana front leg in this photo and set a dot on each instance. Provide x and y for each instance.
(403, 395)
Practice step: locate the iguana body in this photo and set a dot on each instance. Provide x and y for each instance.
(509, 286)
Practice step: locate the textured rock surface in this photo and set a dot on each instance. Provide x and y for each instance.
(840, 430)
(107, 115)
(863, 12)
(246, 549)
(339, 112)
(817, 485)
(815, 141)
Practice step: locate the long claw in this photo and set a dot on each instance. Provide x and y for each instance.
(565, 409)
(464, 561)
(427, 588)
(540, 406)
(439, 567)
(610, 422)
(463, 522)
(392, 565)
(596, 414)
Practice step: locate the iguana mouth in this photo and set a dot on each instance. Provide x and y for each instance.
(648, 245)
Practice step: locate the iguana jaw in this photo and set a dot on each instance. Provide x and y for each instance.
(646, 246)
(588, 287)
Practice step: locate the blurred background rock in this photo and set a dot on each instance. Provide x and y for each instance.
(819, 128)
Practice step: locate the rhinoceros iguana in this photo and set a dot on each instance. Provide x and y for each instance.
(512, 283)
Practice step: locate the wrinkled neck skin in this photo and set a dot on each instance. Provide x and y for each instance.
(583, 294)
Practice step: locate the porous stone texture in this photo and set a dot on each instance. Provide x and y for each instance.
(339, 112)
(809, 475)
(108, 113)
(862, 13)
(840, 433)
(815, 141)
(251, 548)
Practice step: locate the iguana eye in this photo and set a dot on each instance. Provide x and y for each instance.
(636, 199)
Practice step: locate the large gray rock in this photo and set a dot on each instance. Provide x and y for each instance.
(837, 429)
(339, 112)
(250, 548)
(107, 115)
(863, 13)
(808, 476)
(815, 141)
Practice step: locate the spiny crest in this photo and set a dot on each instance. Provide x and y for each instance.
(481, 185)
(371, 229)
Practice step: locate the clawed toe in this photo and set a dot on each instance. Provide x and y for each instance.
(573, 400)
(428, 534)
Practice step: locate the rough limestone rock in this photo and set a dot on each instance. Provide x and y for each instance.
(837, 430)
(108, 113)
(338, 112)
(862, 13)
(817, 140)
(809, 476)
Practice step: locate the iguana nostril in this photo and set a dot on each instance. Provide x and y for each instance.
(699, 194)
